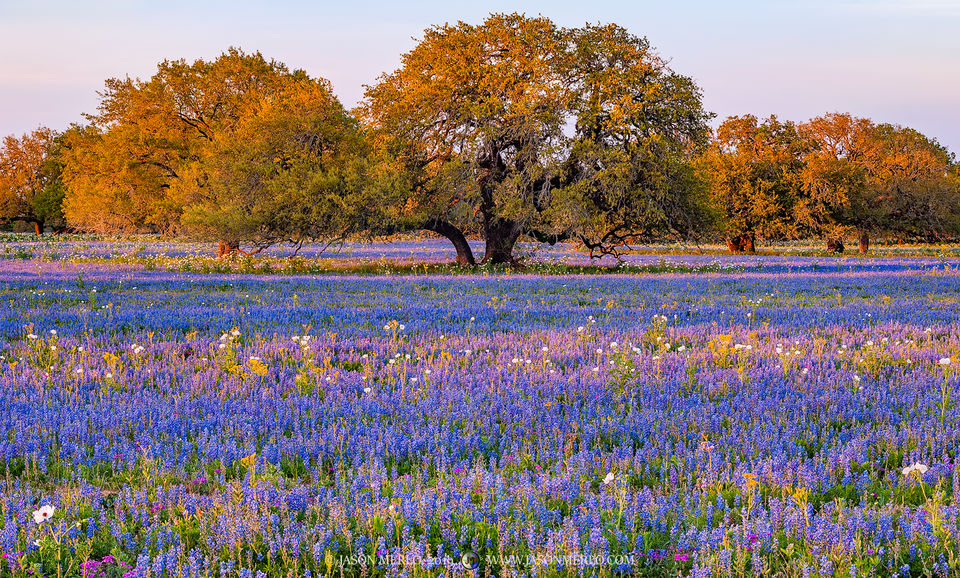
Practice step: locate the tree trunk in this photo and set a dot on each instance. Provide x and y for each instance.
(864, 241)
(835, 245)
(227, 248)
(454, 235)
(734, 244)
(749, 242)
(501, 237)
(37, 227)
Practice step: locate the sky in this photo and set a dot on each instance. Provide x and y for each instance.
(894, 61)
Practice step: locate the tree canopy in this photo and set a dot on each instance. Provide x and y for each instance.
(30, 186)
(517, 126)
(238, 149)
(831, 176)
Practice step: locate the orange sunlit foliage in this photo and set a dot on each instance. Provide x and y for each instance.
(29, 186)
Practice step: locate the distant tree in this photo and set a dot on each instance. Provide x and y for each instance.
(516, 126)
(210, 140)
(756, 172)
(911, 178)
(873, 179)
(836, 198)
(30, 185)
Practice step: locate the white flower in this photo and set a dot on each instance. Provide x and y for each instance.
(608, 478)
(366, 390)
(44, 513)
(53, 332)
(32, 336)
(944, 361)
(915, 467)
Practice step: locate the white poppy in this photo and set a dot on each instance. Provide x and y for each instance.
(43, 514)
(915, 467)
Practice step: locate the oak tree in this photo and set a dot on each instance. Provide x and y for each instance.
(517, 126)
(756, 175)
(241, 146)
(30, 185)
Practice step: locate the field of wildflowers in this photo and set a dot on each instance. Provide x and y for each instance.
(782, 417)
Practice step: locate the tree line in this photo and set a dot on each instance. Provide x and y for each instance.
(513, 128)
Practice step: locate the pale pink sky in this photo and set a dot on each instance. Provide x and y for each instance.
(891, 60)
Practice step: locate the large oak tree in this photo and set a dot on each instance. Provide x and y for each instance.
(517, 126)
